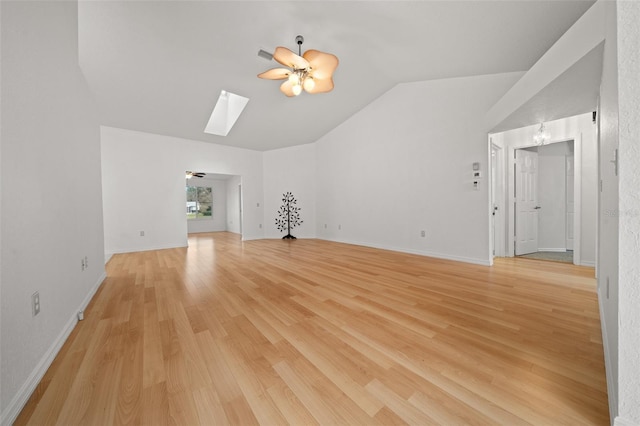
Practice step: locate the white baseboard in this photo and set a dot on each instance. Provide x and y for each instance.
(554, 250)
(621, 421)
(18, 402)
(589, 263)
(611, 381)
(147, 248)
(475, 261)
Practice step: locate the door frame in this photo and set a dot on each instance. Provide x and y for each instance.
(240, 208)
(577, 188)
(497, 192)
(566, 198)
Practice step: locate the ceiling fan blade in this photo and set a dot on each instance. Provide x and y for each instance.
(287, 88)
(322, 64)
(289, 59)
(321, 85)
(275, 74)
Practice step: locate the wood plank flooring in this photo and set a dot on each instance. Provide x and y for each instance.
(309, 332)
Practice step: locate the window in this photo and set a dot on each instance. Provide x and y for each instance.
(199, 202)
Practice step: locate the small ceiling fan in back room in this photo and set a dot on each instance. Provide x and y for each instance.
(189, 174)
(311, 71)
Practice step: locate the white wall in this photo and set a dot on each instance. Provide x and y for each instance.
(290, 170)
(153, 166)
(583, 132)
(552, 195)
(234, 219)
(218, 220)
(629, 277)
(403, 164)
(51, 199)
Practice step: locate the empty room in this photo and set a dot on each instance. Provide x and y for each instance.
(310, 212)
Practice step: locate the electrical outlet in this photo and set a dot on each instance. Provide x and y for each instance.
(260, 226)
(35, 303)
(339, 227)
(423, 234)
(82, 267)
(86, 262)
(142, 233)
(325, 226)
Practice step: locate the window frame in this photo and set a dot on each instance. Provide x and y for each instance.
(198, 214)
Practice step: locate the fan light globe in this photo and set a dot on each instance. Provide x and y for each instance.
(297, 89)
(294, 79)
(309, 84)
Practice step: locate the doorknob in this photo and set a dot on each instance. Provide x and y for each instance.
(537, 207)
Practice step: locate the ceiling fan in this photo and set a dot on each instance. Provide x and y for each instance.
(311, 71)
(189, 174)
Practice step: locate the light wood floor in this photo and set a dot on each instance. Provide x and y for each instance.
(313, 332)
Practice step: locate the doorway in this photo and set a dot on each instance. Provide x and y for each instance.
(529, 232)
(544, 213)
(580, 166)
(219, 209)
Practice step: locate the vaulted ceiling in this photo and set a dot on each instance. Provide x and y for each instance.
(159, 66)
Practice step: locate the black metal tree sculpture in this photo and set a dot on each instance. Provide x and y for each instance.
(288, 215)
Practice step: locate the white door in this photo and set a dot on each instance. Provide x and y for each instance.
(570, 203)
(494, 206)
(526, 194)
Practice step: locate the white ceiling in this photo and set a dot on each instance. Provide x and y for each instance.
(159, 66)
(573, 92)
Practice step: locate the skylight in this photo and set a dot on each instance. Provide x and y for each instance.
(225, 113)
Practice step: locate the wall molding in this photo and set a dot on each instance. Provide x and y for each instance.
(9, 415)
(621, 421)
(181, 244)
(555, 250)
